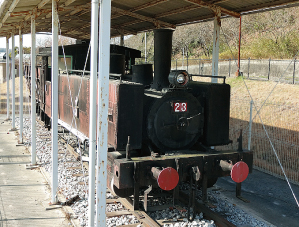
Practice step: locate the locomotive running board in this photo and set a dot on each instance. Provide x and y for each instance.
(77, 133)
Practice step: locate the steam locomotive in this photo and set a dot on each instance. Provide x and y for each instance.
(162, 129)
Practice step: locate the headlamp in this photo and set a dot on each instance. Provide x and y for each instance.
(181, 79)
(178, 78)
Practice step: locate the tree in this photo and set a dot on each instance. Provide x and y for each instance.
(190, 37)
(47, 41)
(27, 50)
(16, 52)
(275, 24)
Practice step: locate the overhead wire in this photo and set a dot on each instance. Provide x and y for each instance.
(72, 102)
(263, 125)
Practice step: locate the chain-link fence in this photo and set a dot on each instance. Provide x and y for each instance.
(282, 125)
(266, 69)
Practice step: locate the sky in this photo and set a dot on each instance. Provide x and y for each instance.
(26, 40)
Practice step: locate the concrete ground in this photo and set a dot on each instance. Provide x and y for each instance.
(24, 193)
(270, 198)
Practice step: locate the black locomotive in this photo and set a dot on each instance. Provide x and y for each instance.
(161, 128)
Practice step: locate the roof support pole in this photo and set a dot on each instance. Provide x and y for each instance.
(92, 110)
(145, 57)
(121, 43)
(33, 102)
(21, 83)
(216, 37)
(239, 48)
(54, 89)
(13, 78)
(103, 94)
(7, 77)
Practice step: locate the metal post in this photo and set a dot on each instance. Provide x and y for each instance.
(269, 68)
(7, 77)
(187, 60)
(13, 78)
(229, 66)
(176, 64)
(121, 43)
(103, 94)
(239, 50)
(33, 102)
(92, 110)
(294, 71)
(21, 83)
(216, 38)
(145, 47)
(54, 90)
(199, 66)
(250, 125)
(183, 57)
(248, 66)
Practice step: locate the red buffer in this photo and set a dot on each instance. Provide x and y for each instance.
(167, 178)
(239, 172)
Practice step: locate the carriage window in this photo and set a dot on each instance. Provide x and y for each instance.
(68, 62)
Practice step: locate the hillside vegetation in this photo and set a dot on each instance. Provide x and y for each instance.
(272, 34)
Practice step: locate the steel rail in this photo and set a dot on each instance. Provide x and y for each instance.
(208, 213)
(142, 216)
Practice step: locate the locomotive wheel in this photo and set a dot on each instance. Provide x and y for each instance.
(42, 115)
(123, 193)
(212, 181)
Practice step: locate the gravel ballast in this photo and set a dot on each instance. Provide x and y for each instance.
(72, 183)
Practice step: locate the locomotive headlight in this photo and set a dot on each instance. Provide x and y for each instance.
(181, 79)
(178, 78)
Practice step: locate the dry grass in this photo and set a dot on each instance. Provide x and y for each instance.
(17, 88)
(283, 94)
(3, 94)
(282, 105)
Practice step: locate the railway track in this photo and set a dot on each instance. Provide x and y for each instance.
(143, 217)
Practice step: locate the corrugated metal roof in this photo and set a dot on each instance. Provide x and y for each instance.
(128, 16)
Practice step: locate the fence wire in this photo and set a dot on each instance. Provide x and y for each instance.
(282, 124)
(256, 69)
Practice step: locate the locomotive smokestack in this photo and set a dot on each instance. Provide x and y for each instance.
(162, 58)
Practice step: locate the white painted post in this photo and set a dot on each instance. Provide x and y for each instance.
(33, 102)
(103, 95)
(7, 77)
(250, 125)
(122, 43)
(145, 47)
(13, 79)
(215, 57)
(54, 89)
(21, 83)
(183, 57)
(92, 110)
(216, 37)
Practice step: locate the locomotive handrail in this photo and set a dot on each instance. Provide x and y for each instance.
(75, 70)
(76, 132)
(210, 76)
(88, 72)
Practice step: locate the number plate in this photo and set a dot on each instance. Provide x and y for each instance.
(180, 107)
